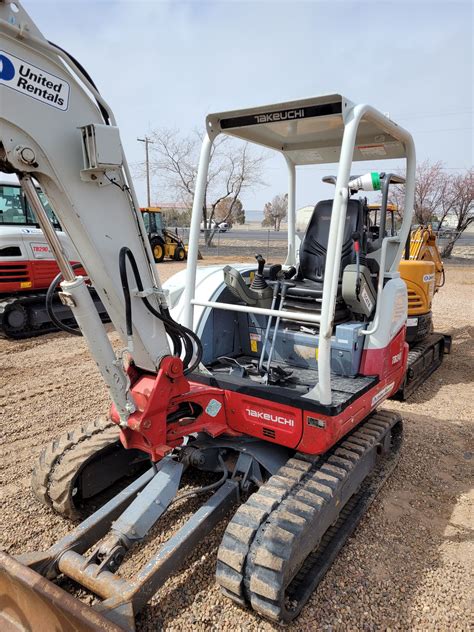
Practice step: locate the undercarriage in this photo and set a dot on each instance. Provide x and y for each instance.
(294, 514)
(25, 315)
(424, 358)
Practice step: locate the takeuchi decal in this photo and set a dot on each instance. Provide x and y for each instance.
(276, 419)
(287, 115)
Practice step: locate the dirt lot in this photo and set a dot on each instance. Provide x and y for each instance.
(407, 566)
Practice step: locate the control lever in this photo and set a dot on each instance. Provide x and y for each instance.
(284, 289)
(276, 289)
(258, 282)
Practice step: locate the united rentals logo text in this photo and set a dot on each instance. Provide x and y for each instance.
(276, 419)
(35, 82)
(273, 117)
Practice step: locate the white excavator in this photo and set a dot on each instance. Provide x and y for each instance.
(269, 376)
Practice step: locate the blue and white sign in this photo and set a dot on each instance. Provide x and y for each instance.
(27, 79)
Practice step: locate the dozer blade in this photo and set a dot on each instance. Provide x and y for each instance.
(31, 603)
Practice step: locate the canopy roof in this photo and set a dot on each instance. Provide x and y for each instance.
(308, 131)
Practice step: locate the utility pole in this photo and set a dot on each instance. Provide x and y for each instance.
(147, 142)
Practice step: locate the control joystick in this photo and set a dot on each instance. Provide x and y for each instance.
(258, 282)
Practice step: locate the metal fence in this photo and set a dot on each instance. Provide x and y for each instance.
(242, 243)
(237, 244)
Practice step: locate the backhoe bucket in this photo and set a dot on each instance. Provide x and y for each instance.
(31, 603)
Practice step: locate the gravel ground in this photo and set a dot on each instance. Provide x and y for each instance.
(408, 565)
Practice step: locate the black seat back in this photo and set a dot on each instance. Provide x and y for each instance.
(313, 250)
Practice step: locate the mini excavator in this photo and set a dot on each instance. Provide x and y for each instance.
(422, 270)
(29, 303)
(270, 382)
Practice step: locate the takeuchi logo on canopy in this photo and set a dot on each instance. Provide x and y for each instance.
(7, 69)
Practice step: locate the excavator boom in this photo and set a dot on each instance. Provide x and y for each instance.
(55, 126)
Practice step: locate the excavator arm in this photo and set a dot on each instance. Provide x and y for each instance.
(56, 128)
(423, 247)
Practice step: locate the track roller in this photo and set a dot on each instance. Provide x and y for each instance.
(280, 543)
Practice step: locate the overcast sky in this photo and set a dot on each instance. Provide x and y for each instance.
(170, 63)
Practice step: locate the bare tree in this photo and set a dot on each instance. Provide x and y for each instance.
(233, 169)
(439, 196)
(275, 211)
(234, 215)
(430, 192)
(461, 194)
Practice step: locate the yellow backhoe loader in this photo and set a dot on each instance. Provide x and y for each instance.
(164, 243)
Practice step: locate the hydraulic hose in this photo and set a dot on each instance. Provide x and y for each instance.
(206, 488)
(179, 334)
(49, 304)
(103, 111)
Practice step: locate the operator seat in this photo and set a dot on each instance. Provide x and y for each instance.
(306, 294)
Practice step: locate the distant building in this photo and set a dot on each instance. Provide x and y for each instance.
(450, 221)
(173, 206)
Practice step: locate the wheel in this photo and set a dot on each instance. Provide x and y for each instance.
(158, 249)
(72, 472)
(179, 254)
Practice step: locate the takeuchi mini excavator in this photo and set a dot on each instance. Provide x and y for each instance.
(268, 377)
(29, 303)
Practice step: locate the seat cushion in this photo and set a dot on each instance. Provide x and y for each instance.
(306, 296)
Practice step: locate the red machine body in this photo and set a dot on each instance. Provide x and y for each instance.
(170, 407)
(26, 261)
(25, 276)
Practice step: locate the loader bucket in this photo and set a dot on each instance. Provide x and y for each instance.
(31, 603)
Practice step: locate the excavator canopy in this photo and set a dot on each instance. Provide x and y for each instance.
(308, 131)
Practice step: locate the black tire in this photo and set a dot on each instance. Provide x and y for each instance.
(158, 249)
(179, 254)
(57, 475)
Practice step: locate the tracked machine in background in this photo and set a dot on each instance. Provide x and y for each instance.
(273, 386)
(28, 268)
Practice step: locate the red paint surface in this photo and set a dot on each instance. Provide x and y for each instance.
(383, 362)
(38, 272)
(154, 429)
(260, 418)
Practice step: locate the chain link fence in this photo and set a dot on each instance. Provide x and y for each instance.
(238, 245)
(245, 243)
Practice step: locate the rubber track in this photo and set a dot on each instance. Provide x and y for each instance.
(420, 349)
(58, 464)
(30, 331)
(261, 552)
(243, 527)
(28, 302)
